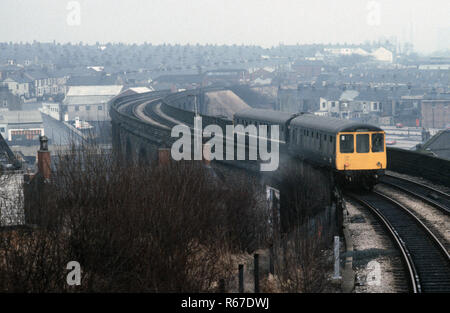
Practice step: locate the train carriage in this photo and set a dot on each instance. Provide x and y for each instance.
(355, 150)
(259, 117)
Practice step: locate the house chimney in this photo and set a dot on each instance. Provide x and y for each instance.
(44, 161)
(163, 156)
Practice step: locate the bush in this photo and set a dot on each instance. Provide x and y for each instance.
(132, 227)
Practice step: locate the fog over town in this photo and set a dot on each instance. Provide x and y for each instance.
(90, 95)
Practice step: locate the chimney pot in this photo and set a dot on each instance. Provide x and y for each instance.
(44, 143)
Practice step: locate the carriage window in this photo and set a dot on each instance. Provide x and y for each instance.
(346, 145)
(377, 142)
(362, 143)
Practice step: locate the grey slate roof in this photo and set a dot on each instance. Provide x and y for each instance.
(21, 79)
(91, 80)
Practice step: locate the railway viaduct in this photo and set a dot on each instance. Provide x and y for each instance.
(142, 123)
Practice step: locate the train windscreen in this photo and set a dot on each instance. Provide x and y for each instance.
(362, 143)
(346, 144)
(377, 142)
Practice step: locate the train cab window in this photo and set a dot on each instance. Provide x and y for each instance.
(362, 143)
(346, 144)
(377, 142)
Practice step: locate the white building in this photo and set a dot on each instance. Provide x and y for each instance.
(443, 67)
(21, 127)
(52, 109)
(18, 85)
(90, 103)
(383, 54)
(350, 104)
(346, 51)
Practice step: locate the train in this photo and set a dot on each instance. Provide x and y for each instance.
(355, 152)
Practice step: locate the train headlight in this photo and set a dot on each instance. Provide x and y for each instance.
(379, 164)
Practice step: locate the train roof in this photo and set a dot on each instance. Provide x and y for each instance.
(277, 117)
(330, 124)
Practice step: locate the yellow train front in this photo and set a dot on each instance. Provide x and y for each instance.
(355, 151)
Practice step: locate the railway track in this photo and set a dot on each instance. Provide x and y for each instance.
(425, 258)
(432, 196)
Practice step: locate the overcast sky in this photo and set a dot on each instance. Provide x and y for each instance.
(260, 22)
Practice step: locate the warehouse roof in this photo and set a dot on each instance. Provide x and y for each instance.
(86, 100)
(107, 90)
(20, 117)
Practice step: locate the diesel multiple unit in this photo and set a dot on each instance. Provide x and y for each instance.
(355, 151)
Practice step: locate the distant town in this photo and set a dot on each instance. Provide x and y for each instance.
(63, 90)
(221, 152)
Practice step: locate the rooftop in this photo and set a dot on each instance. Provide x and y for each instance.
(20, 117)
(108, 90)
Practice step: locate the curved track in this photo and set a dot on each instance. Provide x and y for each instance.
(426, 259)
(432, 196)
(147, 109)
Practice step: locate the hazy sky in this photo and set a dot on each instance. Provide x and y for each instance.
(261, 22)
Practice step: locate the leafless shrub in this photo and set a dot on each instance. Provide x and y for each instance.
(31, 260)
(300, 263)
(131, 227)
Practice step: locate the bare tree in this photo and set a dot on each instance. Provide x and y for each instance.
(132, 227)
